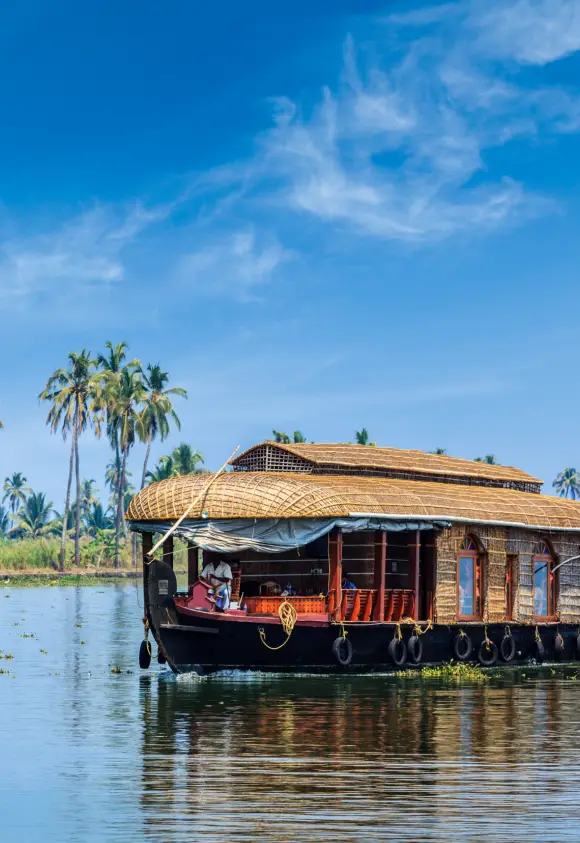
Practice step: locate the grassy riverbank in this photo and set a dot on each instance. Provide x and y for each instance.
(35, 561)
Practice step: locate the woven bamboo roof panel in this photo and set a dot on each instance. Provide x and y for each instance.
(269, 495)
(388, 459)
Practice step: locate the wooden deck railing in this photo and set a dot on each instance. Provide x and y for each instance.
(357, 604)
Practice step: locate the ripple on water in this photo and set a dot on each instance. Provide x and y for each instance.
(101, 756)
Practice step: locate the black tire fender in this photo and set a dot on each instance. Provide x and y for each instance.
(161, 658)
(558, 646)
(342, 650)
(507, 648)
(397, 651)
(462, 646)
(144, 655)
(415, 649)
(487, 653)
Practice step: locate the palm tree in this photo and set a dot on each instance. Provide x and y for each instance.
(34, 516)
(97, 519)
(489, 459)
(362, 438)
(283, 438)
(164, 469)
(112, 363)
(15, 490)
(185, 459)
(567, 484)
(124, 393)
(88, 495)
(158, 409)
(74, 394)
(4, 522)
(299, 437)
(439, 451)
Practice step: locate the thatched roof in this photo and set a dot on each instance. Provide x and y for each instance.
(270, 495)
(380, 459)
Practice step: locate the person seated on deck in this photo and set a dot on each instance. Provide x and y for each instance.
(219, 577)
(347, 582)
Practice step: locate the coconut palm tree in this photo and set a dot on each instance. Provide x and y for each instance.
(88, 495)
(164, 469)
(34, 516)
(158, 409)
(489, 459)
(567, 484)
(283, 438)
(112, 363)
(124, 395)
(439, 451)
(97, 519)
(4, 522)
(75, 397)
(15, 490)
(185, 459)
(299, 437)
(362, 438)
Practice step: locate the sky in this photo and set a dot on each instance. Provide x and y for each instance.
(320, 215)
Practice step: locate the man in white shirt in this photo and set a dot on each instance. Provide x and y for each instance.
(220, 578)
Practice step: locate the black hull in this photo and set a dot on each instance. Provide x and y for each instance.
(206, 645)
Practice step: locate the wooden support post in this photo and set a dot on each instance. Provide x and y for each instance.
(147, 544)
(335, 573)
(416, 607)
(192, 564)
(380, 574)
(168, 551)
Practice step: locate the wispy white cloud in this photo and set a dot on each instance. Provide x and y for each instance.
(395, 149)
(236, 265)
(84, 251)
(530, 31)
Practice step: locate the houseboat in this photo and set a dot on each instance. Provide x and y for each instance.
(351, 557)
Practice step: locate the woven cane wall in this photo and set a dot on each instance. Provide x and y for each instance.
(492, 542)
(522, 544)
(447, 544)
(568, 579)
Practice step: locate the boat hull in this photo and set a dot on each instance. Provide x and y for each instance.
(214, 643)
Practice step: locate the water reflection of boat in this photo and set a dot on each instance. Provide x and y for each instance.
(357, 758)
(443, 558)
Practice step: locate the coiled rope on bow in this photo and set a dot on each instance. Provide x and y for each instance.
(288, 617)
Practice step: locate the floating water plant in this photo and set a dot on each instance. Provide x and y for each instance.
(457, 671)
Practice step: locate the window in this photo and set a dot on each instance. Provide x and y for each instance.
(469, 581)
(544, 583)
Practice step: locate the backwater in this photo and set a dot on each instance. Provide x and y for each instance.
(93, 749)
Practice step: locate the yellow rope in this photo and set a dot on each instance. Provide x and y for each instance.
(416, 627)
(146, 625)
(487, 640)
(288, 618)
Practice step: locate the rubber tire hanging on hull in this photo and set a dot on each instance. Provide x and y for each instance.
(507, 648)
(397, 651)
(462, 647)
(343, 651)
(161, 658)
(415, 649)
(487, 653)
(144, 655)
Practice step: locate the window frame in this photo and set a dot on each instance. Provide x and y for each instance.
(511, 560)
(476, 556)
(552, 596)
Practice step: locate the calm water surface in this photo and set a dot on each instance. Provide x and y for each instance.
(91, 755)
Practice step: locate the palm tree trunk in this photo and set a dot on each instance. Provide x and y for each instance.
(78, 506)
(67, 500)
(147, 454)
(120, 506)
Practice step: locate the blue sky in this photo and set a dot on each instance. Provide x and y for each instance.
(315, 215)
